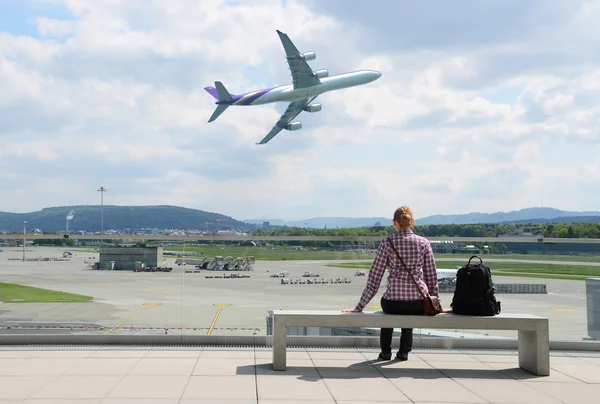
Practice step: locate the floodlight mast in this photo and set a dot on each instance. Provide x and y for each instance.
(102, 190)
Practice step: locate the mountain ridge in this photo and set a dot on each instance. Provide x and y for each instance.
(523, 215)
(527, 214)
(87, 218)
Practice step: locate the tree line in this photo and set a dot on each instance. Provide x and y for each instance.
(553, 230)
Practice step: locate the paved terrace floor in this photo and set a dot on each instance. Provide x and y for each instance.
(147, 375)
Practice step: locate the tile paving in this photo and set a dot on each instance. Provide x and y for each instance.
(154, 375)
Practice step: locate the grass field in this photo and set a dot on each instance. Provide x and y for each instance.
(12, 293)
(262, 253)
(536, 257)
(533, 270)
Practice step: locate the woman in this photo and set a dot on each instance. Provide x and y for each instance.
(402, 295)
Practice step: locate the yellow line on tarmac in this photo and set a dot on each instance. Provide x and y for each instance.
(214, 320)
(146, 306)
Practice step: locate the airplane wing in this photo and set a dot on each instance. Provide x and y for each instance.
(292, 111)
(302, 74)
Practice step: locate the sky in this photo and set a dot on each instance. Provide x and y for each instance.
(483, 107)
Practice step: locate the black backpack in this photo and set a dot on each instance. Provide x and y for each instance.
(474, 293)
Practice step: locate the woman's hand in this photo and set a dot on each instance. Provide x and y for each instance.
(352, 310)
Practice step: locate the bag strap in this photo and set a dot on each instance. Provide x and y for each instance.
(405, 267)
(475, 256)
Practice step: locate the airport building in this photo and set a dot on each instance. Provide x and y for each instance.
(119, 258)
(451, 247)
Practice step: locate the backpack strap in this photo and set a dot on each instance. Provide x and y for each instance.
(405, 267)
(475, 256)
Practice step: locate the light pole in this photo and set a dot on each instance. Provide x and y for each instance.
(102, 190)
(24, 238)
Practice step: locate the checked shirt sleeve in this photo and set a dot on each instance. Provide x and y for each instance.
(429, 271)
(375, 275)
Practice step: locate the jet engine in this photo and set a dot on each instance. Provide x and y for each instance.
(294, 126)
(321, 73)
(309, 56)
(316, 107)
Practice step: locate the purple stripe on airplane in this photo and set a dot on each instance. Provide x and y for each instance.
(213, 91)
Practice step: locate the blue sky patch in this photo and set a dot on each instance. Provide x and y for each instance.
(17, 17)
(503, 94)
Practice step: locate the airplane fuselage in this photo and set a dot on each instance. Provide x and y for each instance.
(287, 93)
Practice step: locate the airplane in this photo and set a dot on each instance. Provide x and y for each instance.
(442, 273)
(446, 273)
(306, 86)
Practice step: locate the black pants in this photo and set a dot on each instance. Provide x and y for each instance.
(406, 336)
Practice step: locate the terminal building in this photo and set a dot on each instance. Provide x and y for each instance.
(452, 247)
(120, 258)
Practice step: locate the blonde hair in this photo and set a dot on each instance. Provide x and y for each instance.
(404, 216)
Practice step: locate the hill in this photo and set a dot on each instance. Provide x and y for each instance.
(172, 217)
(568, 219)
(527, 215)
(118, 217)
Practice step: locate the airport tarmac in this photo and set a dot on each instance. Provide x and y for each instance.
(128, 302)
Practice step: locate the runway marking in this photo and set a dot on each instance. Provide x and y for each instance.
(145, 307)
(220, 306)
(562, 309)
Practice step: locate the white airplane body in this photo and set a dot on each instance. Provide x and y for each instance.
(307, 85)
(446, 273)
(443, 273)
(288, 93)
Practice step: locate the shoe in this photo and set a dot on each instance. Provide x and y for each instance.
(384, 357)
(402, 356)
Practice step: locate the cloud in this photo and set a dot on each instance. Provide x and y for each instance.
(481, 108)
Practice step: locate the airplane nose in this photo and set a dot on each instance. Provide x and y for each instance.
(375, 75)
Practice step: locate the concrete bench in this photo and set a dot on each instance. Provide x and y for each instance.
(533, 332)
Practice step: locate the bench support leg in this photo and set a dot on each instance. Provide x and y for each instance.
(279, 344)
(534, 351)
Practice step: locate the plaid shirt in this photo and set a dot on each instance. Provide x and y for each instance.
(417, 254)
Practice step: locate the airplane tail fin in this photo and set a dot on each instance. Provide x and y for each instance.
(220, 93)
(212, 91)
